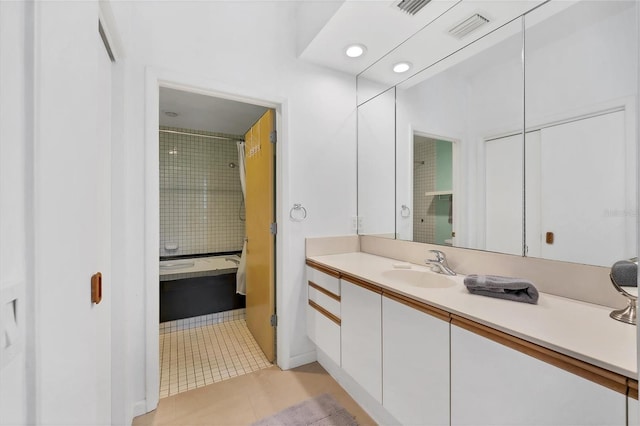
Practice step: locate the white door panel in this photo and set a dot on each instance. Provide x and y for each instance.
(583, 190)
(72, 214)
(504, 183)
(14, 198)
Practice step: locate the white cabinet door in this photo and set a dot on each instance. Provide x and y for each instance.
(492, 384)
(362, 337)
(415, 355)
(324, 332)
(633, 418)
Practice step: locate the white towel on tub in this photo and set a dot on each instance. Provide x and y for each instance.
(241, 276)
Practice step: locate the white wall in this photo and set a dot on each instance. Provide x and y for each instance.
(16, 373)
(311, 17)
(247, 48)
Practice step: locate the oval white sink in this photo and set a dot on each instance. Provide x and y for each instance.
(418, 278)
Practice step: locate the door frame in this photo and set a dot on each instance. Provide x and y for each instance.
(458, 199)
(154, 79)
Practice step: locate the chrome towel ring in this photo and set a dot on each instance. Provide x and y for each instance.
(298, 213)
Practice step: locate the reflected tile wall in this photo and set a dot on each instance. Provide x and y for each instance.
(424, 172)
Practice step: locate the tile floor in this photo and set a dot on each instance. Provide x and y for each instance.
(183, 324)
(200, 356)
(249, 398)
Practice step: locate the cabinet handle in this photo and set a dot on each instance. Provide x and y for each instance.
(324, 312)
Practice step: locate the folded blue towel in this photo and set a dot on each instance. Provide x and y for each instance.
(516, 289)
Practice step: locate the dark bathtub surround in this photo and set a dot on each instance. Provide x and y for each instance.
(200, 195)
(192, 297)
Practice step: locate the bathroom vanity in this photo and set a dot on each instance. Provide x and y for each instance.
(539, 110)
(414, 347)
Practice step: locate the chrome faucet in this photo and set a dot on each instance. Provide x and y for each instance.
(439, 264)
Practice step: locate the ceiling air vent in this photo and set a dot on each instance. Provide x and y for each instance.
(468, 26)
(412, 6)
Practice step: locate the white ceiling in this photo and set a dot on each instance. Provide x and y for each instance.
(392, 36)
(379, 25)
(200, 112)
(434, 42)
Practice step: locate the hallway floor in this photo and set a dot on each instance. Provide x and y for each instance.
(200, 356)
(249, 398)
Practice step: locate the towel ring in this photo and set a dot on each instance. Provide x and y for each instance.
(298, 217)
(404, 209)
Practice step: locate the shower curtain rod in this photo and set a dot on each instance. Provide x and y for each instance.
(202, 136)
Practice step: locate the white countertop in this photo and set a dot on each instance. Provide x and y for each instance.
(581, 330)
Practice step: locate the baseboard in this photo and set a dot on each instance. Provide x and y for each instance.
(357, 392)
(139, 408)
(298, 360)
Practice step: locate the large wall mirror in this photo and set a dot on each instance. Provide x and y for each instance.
(376, 171)
(521, 139)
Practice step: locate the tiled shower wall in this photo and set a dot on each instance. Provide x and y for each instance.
(424, 176)
(201, 204)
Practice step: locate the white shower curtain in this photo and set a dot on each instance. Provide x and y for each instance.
(241, 277)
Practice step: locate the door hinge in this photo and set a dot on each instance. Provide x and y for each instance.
(274, 320)
(273, 228)
(273, 136)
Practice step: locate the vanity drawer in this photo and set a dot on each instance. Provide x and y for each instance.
(328, 302)
(331, 283)
(324, 331)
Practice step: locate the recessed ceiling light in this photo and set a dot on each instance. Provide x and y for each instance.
(170, 114)
(355, 50)
(401, 67)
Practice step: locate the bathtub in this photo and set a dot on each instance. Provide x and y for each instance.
(190, 287)
(172, 269)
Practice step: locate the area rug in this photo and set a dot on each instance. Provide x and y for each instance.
(322, 410)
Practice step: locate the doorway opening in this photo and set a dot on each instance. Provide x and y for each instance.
(433, 184)
(217, 262)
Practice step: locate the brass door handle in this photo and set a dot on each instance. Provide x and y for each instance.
(96, 288)
(549, 238)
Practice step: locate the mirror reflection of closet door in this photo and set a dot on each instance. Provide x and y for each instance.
(583, 190)
(503, 194)
(575, 192)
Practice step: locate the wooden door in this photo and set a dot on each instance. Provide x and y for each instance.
(260, 165)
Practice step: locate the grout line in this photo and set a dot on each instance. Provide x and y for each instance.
(199, 356)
